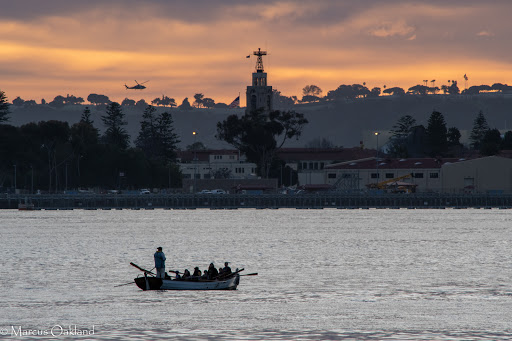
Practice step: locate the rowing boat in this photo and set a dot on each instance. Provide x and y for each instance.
(152, 283)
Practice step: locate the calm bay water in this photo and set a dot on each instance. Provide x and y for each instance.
(323, 274)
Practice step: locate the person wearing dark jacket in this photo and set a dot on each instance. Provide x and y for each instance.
(212, 272)
(227, 270)
(159, 263)
(197, 272)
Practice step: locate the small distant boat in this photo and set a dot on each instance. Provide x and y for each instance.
(150, 282)
(25, 206)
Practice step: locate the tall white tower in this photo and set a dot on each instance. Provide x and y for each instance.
(259, 94)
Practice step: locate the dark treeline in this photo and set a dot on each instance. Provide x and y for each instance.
(310, 94)
(437, 140)
(313, 93)
(52, 156)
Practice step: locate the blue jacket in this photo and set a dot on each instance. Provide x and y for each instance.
(159, 260)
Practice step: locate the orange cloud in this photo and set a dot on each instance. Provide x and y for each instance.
(191, 48)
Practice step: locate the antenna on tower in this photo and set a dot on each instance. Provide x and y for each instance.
(259, 61)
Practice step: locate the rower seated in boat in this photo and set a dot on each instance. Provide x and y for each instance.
(212, 272)
(186, 274)
(197, 272)
(226, 270)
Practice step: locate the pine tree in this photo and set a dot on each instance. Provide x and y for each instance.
(86, 116)
(115, 134)
(401, 130)
(437, 135)
(156, 137)
(147, 135)
(491, 142)
(403, 126)
(4, 107)
(480, 128)
(168, 139)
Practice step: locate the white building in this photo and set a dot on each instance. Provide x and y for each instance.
(211, 164)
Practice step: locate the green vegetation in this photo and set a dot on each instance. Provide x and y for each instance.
(411, 140)
(52, 156)
(259, 135)
(4, 108)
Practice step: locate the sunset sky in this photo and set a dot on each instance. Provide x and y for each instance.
(59, 47)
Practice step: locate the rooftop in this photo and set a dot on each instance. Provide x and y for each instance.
(387, 163)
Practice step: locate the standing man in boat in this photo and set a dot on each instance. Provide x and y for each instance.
(160, 263)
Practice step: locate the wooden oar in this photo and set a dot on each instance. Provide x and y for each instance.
(229, 275)
(253, 274)
(120, 285)
(141, 269)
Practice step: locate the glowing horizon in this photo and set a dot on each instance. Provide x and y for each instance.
(183, 49)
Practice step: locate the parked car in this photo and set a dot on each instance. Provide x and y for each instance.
(205, 191)
(145, 191)
(218, 191)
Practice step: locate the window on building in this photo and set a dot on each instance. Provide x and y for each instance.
(310, 165)
(434, 175)
(390, 175)
(322, 165)
(217, 157)
(346, 175)
(374, 175)
(418, 175)
(207, 176)
(187, 176)
(331, 175)
(231, 157)
(315, 165)
(197, 176)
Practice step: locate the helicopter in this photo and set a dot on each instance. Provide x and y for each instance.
(139, 86)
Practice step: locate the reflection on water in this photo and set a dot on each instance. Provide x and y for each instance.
(323, 274)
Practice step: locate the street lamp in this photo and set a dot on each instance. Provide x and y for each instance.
(377, 156)
(377, 134)
(195, 147)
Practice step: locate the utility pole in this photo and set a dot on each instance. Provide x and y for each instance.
(15, 179)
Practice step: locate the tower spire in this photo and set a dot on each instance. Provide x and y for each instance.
(259, 60)
(259, 94)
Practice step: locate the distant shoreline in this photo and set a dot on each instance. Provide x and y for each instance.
(266, 201)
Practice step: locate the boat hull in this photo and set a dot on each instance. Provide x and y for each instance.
(153, 283)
